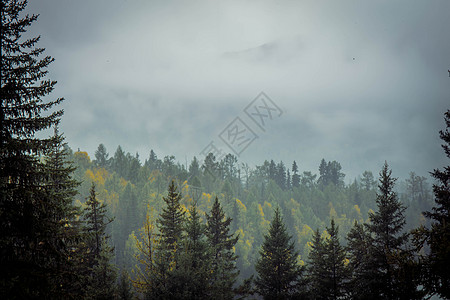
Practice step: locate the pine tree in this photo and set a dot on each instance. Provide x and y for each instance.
(127, 217)
(63, 222)
(278, 271)
(436, 262)
(288, 180)
(194, 168)
(272, 171)
(280, 175)
(295, 175)
(153, 163)
(101, 273)
(101, 156)
(26, 258)
(367, 180)
(172, 218)
(229, 163)
(328, 275)
(358, 252)
(95, 215)
(221, 244)
(170, 225)
(134, 166)
(192, 276)
(210, 166)
(323, 173)
(119, 163)
(334, 173)
(387, 240)
(337, 275)
(317, 272)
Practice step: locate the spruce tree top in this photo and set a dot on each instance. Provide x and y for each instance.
(172, 217)
(441, 212)
(387, 223)
(277, 268)
(218, 227)
(22, 87)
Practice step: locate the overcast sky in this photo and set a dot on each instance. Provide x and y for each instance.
(359, 82)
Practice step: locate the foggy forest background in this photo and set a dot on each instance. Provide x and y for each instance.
(116, 224)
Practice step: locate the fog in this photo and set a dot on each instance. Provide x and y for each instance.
(356, 82)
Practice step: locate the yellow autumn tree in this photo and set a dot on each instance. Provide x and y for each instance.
(145, 256)
(81, 158)
(241, 206)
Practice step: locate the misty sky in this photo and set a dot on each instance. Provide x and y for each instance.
(359, 82)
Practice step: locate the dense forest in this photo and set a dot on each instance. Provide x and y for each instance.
(249, 196)
(76, 225)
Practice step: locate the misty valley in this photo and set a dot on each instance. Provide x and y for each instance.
(118, 224)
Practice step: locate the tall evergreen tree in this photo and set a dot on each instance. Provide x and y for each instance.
(101, 156)
(119, 162)
(210, 167)
(272, 171)
(335, 175)
(288, 180)
(337, 276)
(210, 170)
(101, 273)
(194, 168)
(323, 172)
(168, 166)
(170, 224)
(360, 282)
(317, 269)
(63, 221)
(328, 275)
(295, 176)
(387, 239)
(133, 167)
(153, 163)
(278, 271)
(172, 218)
(367, 180)
(192, 276)
(221, 242)
(27, 259)
(436, 262)
(230, 164)
(95, 215)
(280, 175)
(127, 217)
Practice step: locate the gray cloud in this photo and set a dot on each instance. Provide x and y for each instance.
(359, 82)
